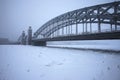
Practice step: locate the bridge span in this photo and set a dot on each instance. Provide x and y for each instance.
(90, 23)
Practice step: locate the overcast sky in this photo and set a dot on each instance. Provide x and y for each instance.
(18, 15)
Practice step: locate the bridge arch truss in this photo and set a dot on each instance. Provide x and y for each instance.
(108, 13)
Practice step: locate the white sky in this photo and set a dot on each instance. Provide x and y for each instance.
(18, 15)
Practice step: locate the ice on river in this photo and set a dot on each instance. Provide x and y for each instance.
(19, 62)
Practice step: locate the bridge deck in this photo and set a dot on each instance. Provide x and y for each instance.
(90, 36)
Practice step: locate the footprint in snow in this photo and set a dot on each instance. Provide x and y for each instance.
(108, 68)
(42, 75)
(50, 64)
(39, 55)
(118, 66)
(60, 64)
(40, 52)
(102, 61)
(28, 70)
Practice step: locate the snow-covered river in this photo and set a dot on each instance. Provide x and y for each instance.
(18, 62)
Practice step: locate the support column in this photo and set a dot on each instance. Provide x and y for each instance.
(63, 31)
(99, 26)
(86, 20)
(115, 16)
(53, 34)
(52, 31)
(86, 26)
(66, 30)
(76, 23)
(57, 29)
(68, 27)
(115, 25)
(76, 28)
(90, 26)
(62, 27)
(58, 32)
(71, 29)
(111, 27)
(83, 27)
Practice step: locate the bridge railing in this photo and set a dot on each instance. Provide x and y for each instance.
(82, 33)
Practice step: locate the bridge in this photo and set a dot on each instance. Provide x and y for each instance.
(90, 23)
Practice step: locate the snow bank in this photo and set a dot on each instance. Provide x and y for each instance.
(40, 63)
(89, 44)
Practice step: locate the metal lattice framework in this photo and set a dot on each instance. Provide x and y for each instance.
(108, 13)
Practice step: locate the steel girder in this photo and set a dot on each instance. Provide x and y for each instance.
(108, 13)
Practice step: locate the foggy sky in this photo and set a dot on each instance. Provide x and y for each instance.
(18, 15)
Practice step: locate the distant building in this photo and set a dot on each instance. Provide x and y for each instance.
(4, 41)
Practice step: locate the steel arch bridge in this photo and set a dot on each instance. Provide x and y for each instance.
(63, 26)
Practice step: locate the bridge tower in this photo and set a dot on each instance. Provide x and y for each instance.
(23, 41)
(29, 35)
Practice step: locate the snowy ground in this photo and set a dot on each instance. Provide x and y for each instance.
(19, 62)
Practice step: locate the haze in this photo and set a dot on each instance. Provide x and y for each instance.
(18, 15)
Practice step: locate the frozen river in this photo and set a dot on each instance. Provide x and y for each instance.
(19, 62)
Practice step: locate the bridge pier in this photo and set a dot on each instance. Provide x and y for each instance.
(39, 43)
